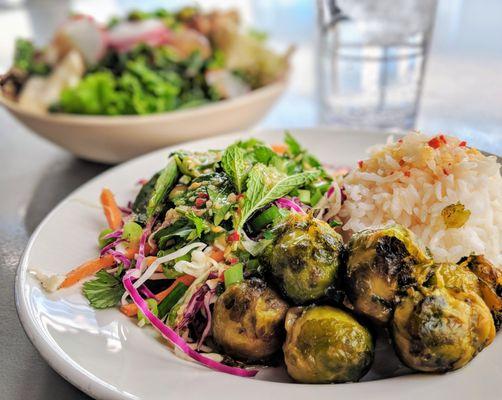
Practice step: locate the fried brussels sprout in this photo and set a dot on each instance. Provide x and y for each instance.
(248, 320)
(441, 329)
(325, 345)
(381, 263)
(304, 257)
(490, 284)
(448, 275)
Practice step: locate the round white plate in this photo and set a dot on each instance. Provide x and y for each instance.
(107, 356)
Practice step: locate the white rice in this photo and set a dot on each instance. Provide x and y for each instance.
(410, 182)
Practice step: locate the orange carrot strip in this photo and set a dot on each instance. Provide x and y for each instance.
(131, 251)
(217, 254)
(279, 148)
(111, 209)
(131, 309)
(86, 269)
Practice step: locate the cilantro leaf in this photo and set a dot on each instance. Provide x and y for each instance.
(236, 165)
(199, 223)
(266, 184)
(103, 292)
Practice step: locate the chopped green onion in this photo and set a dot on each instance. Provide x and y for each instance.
(304, 196)
(315, 197)
(266, 217)
(171, 299)
(323, 186)
(102, 242)
(334, 223)
(252, 265)
(132, 232)
(233, 275)
(152, 306)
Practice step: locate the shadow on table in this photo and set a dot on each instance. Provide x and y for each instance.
(57, 181)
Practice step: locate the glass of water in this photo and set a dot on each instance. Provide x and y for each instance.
(372, 56)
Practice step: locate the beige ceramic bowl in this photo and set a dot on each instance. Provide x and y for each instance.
(113, 139)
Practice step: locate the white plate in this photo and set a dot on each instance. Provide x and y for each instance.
(107, 356)
(114, 139)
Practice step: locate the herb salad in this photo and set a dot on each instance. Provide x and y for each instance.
(197, 227)
(143, 63)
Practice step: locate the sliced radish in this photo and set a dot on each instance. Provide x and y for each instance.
(186, 41)
(84, 34)
(127, 34)
(227, 84)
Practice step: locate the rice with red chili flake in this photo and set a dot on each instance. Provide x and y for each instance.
(448, 194)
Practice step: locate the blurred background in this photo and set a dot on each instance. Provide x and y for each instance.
(460, 90)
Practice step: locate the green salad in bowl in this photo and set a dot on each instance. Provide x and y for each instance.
(145, 63)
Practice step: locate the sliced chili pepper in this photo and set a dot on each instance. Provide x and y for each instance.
(434, 143)
(233, 237)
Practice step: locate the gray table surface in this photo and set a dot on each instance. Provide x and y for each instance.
(462, 96)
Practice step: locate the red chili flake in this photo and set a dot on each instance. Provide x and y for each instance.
(407, 173)
(400, 141)
(434, 143)
(202, 195)
(445, 172)
(199, 203)
(239, 196)
(233, 260)
(401, 163)
(233, 237)
(360, 163)
(442, 138)
(463, 143)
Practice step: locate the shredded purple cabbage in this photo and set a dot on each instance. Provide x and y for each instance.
(110, 246)
(120, 258)
(146, 292)
(289, 204)
(175, 339)
(115, 234)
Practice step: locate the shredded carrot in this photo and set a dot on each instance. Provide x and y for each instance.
(131, 309)
(111, 209)
(87, 269)
(279, 148)
(217, 254)
(131, 251)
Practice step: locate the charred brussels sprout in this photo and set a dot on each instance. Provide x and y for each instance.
(304, 258)
(325, 345)
(381, 263)
(448, 275)
(490, 284)
(248, 320)
(441, 329)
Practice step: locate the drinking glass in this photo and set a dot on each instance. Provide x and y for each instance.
(372, 56)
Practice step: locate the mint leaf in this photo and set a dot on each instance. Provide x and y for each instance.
(163, 185)
(221, 205)
(293, 146)
(103, 292)
(263, 154)
(236, 166)
(266, 184)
